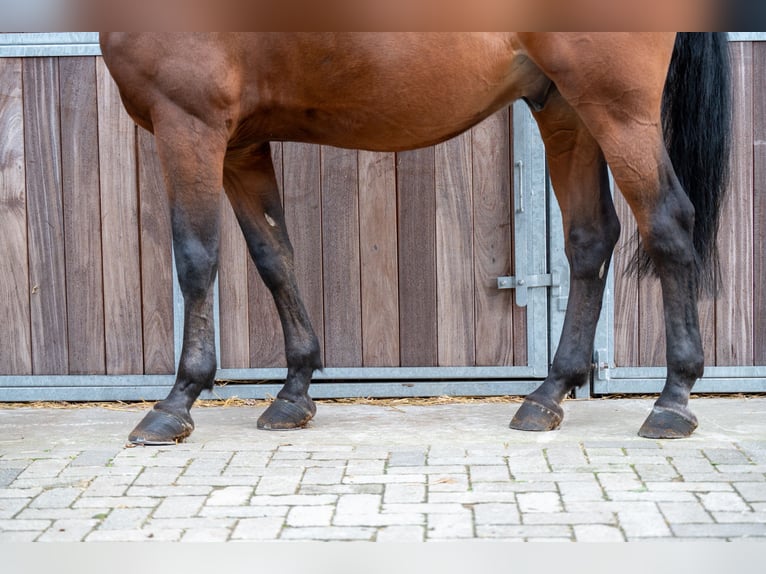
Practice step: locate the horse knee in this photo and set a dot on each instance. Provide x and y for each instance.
(197, 264)
(589, 249)
(669, 237)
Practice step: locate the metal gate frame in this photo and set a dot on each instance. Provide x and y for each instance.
(532, 282)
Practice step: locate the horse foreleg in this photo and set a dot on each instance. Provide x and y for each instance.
(252, 190)
(192, 164)
(591, 229)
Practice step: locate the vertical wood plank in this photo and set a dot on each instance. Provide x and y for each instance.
(492, 238)
(303, 213)
(156, 261)
(734, 314)
(50, 353)
(119, 213)
(378, 249)
(625, 289)
(340, 242)
(454, 252)
(416, 209)
(759, 200)
(82, 216)
(15, 336)
(233, 292)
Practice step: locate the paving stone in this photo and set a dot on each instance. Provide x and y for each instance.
(206, 535)
(230, 496)
(597, 533)
(751, 491)
(11, 506)
(523, 531)
(404, 493)
(489, 473)
(684, 512)
(539, 502)
(723, 501)
(407, 458)
(449, 526)
(67, 531)
(310, 516)
(643, 524)
(8, 475)
(329, 533)
(721, 530)
(321, 475)
(56, 498)
(266, 528)
(179, 506)
(496, 513)
(411, 533)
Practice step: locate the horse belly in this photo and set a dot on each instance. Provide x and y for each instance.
(392, 92)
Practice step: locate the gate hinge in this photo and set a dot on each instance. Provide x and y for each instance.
(521, 284)
(601, 361)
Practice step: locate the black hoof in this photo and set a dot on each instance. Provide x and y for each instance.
(287, 415)
(161, 428)
(532, 416)
(663, 422)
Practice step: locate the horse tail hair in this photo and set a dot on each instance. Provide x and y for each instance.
(696, 122)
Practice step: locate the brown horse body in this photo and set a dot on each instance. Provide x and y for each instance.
(215, 101)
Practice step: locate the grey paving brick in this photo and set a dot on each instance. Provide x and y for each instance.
(179, 506)
(8, 475)
(643, 524)
(125, 519)
(206, 535)
(323, 475)
(407, 458)
(398, 533)
(277, 485)
(230, 496)
(524, 531)
(329, 533)
(723, 501)
(56, 498)
(11, 506)
(404, 493)
(37, 525)
(684, 512)
(98, 458)
(310, 516)
(589, 489)
(373, 488)
(449, 526)
(530, 502)
(407, 478)
(597, 533)
(142, 535)
(751, 491)
(496, 513)
(67, 531)
(365, 466)
(18, 536)
(720, 530)
(489, 473)
(266, 528)
(448, 482)
(568, 518)
(725, 456)
(744, 516)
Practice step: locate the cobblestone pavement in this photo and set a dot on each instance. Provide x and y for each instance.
(382, 473)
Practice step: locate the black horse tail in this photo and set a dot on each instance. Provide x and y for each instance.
(696, 119)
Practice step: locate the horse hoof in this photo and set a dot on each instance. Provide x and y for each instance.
(160, 428)
(668, 423)
(286, 415)
(532, 416)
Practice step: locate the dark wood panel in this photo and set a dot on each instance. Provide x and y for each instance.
(42, 137)
(626, 352)
(492, 239)
(379, 265)
(82, 215)
(454, 252)
(156, 261)
(759, 203)
(416, 209)
(233, 292)
(303, 213)
(119, 212)
(340, 253)
(15, 335)
(734, 311)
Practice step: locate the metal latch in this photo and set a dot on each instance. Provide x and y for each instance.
(521, 284)
(601, 360)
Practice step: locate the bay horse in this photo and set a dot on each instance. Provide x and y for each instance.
(653, 107)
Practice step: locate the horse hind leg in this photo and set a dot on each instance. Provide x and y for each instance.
(252, 189)
(591, 229)
(193, 178)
